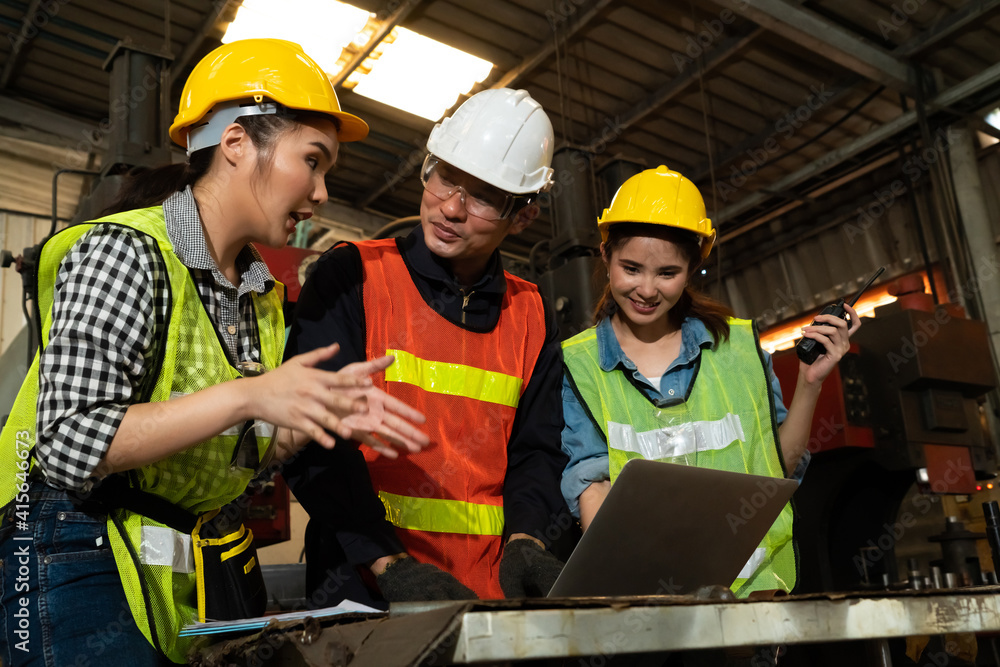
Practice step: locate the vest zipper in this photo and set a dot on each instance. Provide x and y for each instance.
(465, 302)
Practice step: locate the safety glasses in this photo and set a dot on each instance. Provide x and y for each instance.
(480, 199)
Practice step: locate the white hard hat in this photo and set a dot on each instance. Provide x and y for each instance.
(502, 137)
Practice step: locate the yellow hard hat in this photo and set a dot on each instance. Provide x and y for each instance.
(660, 197)
(257, 69)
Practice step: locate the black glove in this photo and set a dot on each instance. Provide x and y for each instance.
(409, 580)
(527, 570)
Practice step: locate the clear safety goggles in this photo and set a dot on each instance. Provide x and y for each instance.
(481, 200)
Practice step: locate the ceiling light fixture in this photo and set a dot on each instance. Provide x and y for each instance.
(397, 73)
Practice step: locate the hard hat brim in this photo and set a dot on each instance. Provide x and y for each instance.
(352, 128)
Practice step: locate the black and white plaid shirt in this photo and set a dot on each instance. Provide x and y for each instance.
(109, 317)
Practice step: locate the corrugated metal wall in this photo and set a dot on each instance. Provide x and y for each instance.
(835, 262)
(26, 170)
(16, 233)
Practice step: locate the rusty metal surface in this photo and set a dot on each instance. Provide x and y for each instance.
(611, 626)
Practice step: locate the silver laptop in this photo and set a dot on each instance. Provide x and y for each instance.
(667, 529)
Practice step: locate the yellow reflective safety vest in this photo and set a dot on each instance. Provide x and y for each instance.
(726, 422)
(154, 562)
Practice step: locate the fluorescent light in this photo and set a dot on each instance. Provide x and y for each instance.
(993, 118)
(321, 27)
(397, 73)
(401, 76)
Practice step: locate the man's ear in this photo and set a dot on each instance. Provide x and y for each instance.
(523, 218)
(235, 143)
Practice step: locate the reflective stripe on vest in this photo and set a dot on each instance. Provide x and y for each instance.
(681, 440)
(447, 500)
(437, 515)
(725, 423)
(454, 379)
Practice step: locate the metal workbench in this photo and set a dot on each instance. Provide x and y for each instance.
(508, 631)
(638, 625)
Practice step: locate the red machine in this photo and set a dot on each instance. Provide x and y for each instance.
(269, 510)
(903, 406)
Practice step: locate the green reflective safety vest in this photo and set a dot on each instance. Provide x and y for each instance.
(154, 561)
(726, 423)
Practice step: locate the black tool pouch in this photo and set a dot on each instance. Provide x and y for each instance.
(230, 581)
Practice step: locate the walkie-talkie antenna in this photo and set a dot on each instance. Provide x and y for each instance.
(808, 349)
(866, 286)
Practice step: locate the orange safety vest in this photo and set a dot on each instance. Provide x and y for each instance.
(447, 501)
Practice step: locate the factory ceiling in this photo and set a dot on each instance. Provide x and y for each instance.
(766, 104)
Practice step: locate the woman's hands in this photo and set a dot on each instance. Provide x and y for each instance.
(834, 335)
(310, 401)
(387, 424)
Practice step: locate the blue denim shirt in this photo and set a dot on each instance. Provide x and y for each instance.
(583, 442)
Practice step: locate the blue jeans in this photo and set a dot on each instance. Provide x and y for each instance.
(62, 599)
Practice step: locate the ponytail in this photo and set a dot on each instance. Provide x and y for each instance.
(149, 187)
(714, 314)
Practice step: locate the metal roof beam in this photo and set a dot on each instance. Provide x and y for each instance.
(829, 98)
(988, 77)
(17, 45)
(211, 18)
(385, 27)
(575, 23)
(810, 30)
(677, 85)
(971, 13)
(974, 12)
(86, 136)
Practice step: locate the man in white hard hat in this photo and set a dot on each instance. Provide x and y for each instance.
(476, 351)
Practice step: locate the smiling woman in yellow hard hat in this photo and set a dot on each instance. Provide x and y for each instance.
(140, 418)
(669, 374)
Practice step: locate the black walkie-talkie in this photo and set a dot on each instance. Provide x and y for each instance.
(809, 349)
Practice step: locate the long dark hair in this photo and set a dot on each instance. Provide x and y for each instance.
(150, 187)
(692, 303)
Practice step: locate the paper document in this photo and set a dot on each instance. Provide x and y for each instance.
(244, 624)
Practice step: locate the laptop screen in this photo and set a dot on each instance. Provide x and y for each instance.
(667, 529)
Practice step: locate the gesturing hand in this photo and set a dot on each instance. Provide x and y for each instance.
(299, 396)
(388, 423)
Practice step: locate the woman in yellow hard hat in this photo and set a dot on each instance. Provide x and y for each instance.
(669, 374)
(141, 416)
